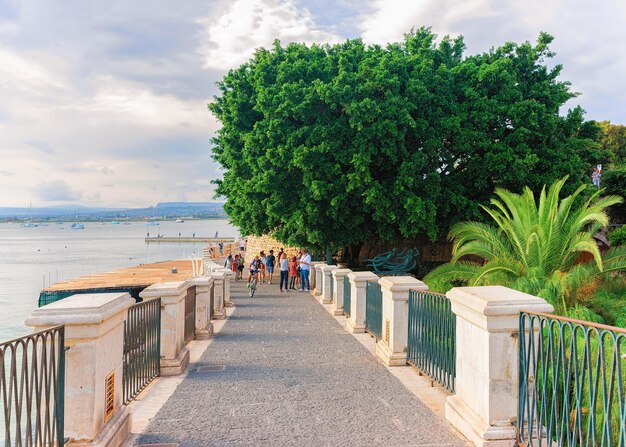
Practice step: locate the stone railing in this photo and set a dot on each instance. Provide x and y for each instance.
(94, 336)
(485, 404)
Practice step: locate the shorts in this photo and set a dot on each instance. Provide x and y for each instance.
(240, 268)
(270, 269)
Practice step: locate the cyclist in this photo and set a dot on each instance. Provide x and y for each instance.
(255, 266)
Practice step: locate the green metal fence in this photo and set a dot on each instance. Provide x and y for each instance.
(32, 387)
(190, 314)
(431, 344)
(142, 347)
(212, 304)
(572, 379)
(332, 288)
(374, 309)
(347, 302)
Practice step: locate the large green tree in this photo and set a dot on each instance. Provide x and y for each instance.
(344, 143)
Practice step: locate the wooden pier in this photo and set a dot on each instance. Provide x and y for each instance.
(189, 240)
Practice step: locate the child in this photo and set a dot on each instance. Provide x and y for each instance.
(293, 273)
(234, 266)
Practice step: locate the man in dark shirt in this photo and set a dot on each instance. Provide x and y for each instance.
(269, 263)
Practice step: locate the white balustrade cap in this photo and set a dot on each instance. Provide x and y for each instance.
(340, 273)
(81, 309)
(401, 283)
(362, 276)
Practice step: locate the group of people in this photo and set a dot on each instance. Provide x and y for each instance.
(294, 272)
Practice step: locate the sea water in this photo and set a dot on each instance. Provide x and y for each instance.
(33, 258)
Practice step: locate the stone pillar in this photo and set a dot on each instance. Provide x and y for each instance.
(225, 275)
(218, 295)
(204, 327)
(327, 270)
(484, 408)
(391, 349)
(338, 278)
(94, 334)
(174, 353)
(356, 322)
(312, 278)
(229, 276)
(316, 271)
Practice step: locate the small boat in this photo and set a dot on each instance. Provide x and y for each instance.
(152, 223)
(126, 223)
(114, 222)
(77, 226)
(180, 221)
(30, 225)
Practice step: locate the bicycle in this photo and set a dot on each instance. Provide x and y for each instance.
(253, 282)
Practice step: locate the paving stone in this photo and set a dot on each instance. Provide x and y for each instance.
(291, 377)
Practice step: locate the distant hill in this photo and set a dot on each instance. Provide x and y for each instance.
(163, 210)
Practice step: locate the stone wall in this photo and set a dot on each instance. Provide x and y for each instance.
(266, 243)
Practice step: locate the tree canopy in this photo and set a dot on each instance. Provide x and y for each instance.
(338, 144)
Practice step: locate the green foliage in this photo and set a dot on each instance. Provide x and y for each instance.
(345, 143)
(535, 246)
(613, 140)
(618, 236)
(614, 180)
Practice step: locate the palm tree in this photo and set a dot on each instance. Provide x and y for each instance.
(535, 248)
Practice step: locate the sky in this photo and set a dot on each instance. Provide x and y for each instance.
(104, 103)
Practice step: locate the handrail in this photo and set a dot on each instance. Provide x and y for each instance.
(582, 322)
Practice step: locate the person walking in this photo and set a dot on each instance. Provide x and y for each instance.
(228, 264)
(262, 267)
(270, 262)
(293, 273)
(234, 266)
(220, 245)
(305, 265)
(240, 265)
(283, 264)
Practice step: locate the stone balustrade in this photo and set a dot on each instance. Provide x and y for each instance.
(325, 296)
(174, 353)
(338, 277)
(484, 408)
(94, 334)
(316, 277)
(204, 327)
(358, 281)
(392, 348)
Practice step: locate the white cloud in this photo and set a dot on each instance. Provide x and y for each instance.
(246, 25)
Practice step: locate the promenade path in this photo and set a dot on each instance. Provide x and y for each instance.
(291, 377)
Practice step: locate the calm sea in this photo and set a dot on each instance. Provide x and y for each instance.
(31, 258)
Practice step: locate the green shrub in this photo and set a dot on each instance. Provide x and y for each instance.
(618, 236)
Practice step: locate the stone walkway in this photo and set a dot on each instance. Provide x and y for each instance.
(283, 372)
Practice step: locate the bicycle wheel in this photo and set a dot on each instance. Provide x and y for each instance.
(252, 288)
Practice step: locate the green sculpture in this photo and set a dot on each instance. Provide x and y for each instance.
(394, 262)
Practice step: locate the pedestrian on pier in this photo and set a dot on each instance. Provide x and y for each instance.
(234, 266)
(220, 246)
(240, 265)
(262, 267)
(305, 265)
(293, 273)
(229, 262)
(270, 262)
(283, 264)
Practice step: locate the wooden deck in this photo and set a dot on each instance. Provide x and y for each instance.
(139, 276)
